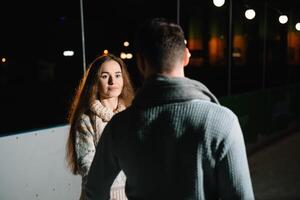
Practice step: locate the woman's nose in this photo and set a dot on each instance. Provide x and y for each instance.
(111, 80)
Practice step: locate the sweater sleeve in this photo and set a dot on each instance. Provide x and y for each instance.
(232, 169)
(104, 168)
(85, 147)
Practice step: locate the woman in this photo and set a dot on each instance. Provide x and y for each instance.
(104, 90)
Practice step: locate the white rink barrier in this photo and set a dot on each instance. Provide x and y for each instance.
(33, 166)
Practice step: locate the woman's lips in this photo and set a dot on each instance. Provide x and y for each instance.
(113, 87)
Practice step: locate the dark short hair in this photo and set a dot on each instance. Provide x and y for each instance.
(160, 42)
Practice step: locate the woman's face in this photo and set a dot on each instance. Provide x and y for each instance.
(111, 80)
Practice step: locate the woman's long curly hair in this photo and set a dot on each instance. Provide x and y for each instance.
(86, 93)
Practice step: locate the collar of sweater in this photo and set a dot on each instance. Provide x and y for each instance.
(160, 89)
(103, 112)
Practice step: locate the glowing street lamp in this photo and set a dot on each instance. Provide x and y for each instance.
(68, 53)
(218, 3)
(126, 44)
(283, 19)
(297, 26)
(250, 14)
(123, 55)
(129, 55)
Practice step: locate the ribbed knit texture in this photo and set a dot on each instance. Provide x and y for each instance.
(87, 137)
(175, 142)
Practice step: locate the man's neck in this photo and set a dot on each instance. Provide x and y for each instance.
(174, 73)
(177, 72)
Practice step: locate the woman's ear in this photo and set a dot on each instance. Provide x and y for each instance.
(187, 56)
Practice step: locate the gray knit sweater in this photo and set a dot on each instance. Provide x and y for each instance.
(174, 142)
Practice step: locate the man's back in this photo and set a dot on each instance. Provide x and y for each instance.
(179, 145)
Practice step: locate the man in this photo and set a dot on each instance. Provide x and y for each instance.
(175, 141)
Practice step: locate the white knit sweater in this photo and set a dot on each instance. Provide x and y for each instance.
(87, 136)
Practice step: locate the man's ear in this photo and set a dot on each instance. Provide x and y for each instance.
(187, 56)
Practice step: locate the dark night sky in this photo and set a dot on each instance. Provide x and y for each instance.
(33, 35)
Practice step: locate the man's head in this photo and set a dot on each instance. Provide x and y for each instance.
(160, 47)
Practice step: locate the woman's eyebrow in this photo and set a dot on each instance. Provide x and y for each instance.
(118, 72)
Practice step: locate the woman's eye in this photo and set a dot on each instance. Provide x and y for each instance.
(118, 75)
(104, 76)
